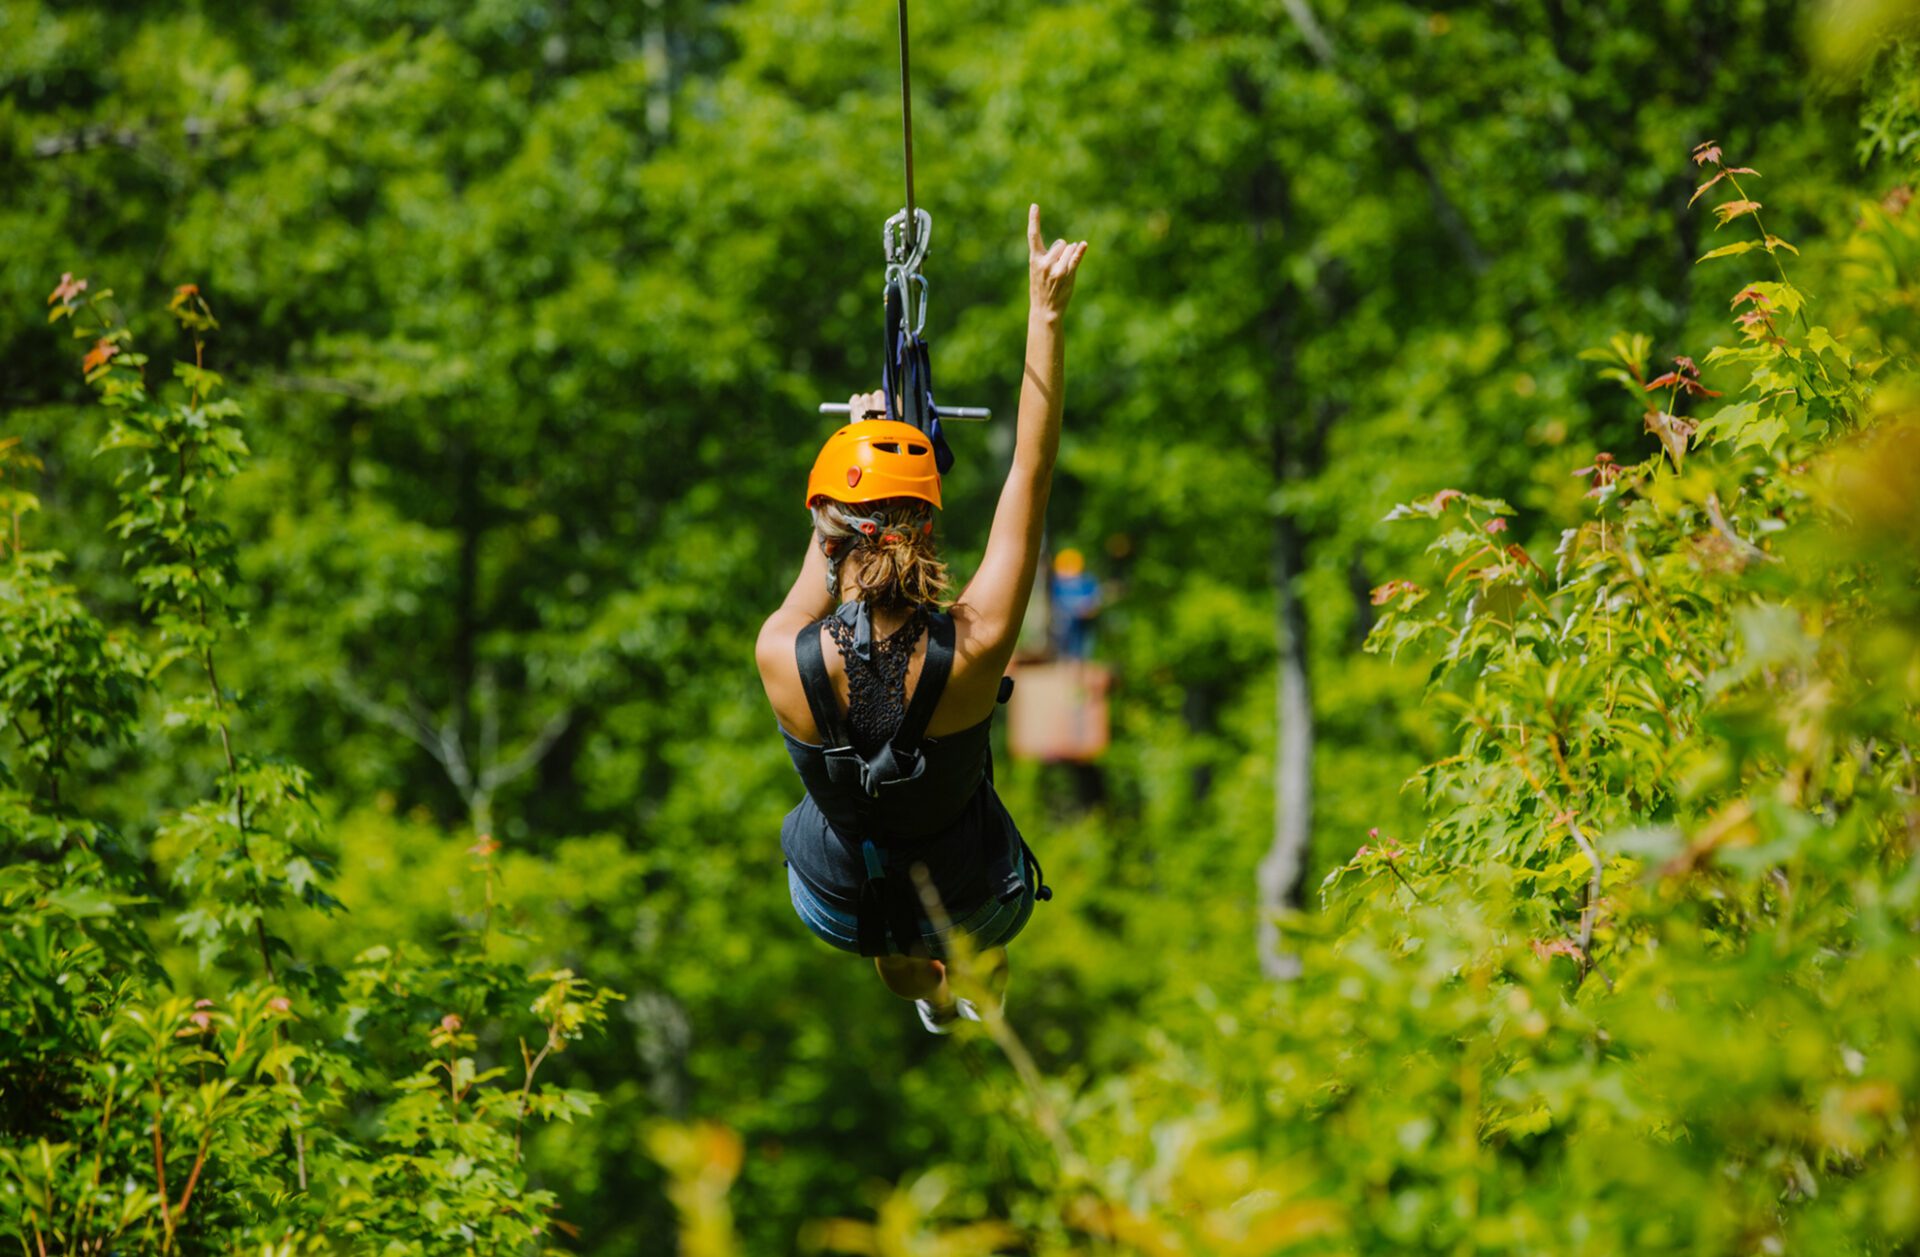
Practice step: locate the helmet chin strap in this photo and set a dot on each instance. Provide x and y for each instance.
(835, 547)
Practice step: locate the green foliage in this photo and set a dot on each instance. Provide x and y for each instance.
(291, 1101)
(1641, 982)
(434, 686)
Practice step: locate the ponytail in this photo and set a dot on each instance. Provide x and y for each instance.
(884, 550)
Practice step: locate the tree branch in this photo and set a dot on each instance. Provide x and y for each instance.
(408, 725)
(497, 775)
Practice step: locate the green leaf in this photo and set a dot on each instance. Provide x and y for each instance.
(83, 901)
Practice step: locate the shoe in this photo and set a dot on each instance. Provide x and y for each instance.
(962, 1010)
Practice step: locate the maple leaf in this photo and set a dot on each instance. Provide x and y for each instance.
(1393, 589)
(1704, 153)
(1754, 295)
(67, 289)
(1727, 211)
(1496, 525)
(1519, 555)
(103, 352)
(1685, 376)
(1702, 189)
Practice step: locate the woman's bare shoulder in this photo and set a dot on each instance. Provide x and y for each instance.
(780, 672)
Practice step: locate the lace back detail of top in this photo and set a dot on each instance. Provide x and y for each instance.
(877, 690)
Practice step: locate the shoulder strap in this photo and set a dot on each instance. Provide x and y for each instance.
(934, 671)
(819, 686)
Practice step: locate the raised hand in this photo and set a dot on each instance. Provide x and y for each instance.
(1051, 269)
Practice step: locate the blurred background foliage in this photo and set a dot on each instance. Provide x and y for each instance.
(528, 303)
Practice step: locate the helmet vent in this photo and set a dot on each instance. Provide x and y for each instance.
(891, 447)
(918, 451)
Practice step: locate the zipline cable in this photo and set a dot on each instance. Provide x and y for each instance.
(906, 118)
(907, 373)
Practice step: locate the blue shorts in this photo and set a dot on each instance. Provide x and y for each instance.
(990, 925)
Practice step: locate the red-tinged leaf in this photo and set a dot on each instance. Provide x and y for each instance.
(1604, 470)
(1706, 153)
(1670, 380)
(1464, 564)
(67, 289)
(1519, 555)
(1754, 295)
(103, 352)
(1775, 242)
(1496, 525)
(1752, 318)
(1743, 170)
(1727, 211)
(1702, 189)
(1393, 589)
(1687, 365)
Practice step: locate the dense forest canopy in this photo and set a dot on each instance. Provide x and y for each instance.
(1493, 427)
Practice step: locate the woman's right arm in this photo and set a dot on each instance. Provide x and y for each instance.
(994, 603)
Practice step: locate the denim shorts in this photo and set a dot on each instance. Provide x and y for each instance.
(990, 925)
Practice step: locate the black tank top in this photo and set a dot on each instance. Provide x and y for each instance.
(918, 799)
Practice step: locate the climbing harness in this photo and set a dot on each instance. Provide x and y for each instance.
(907, 375)
(888, 903)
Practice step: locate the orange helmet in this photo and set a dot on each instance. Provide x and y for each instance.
(874, 459)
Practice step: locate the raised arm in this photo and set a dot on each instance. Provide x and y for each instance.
(995, 600)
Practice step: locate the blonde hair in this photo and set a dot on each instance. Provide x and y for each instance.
(896, 564)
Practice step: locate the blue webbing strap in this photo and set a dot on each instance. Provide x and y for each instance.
(908, 379)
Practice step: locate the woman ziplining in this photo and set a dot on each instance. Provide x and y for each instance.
(885, 700)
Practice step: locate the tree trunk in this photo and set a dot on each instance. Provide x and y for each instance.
(1280, 874)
